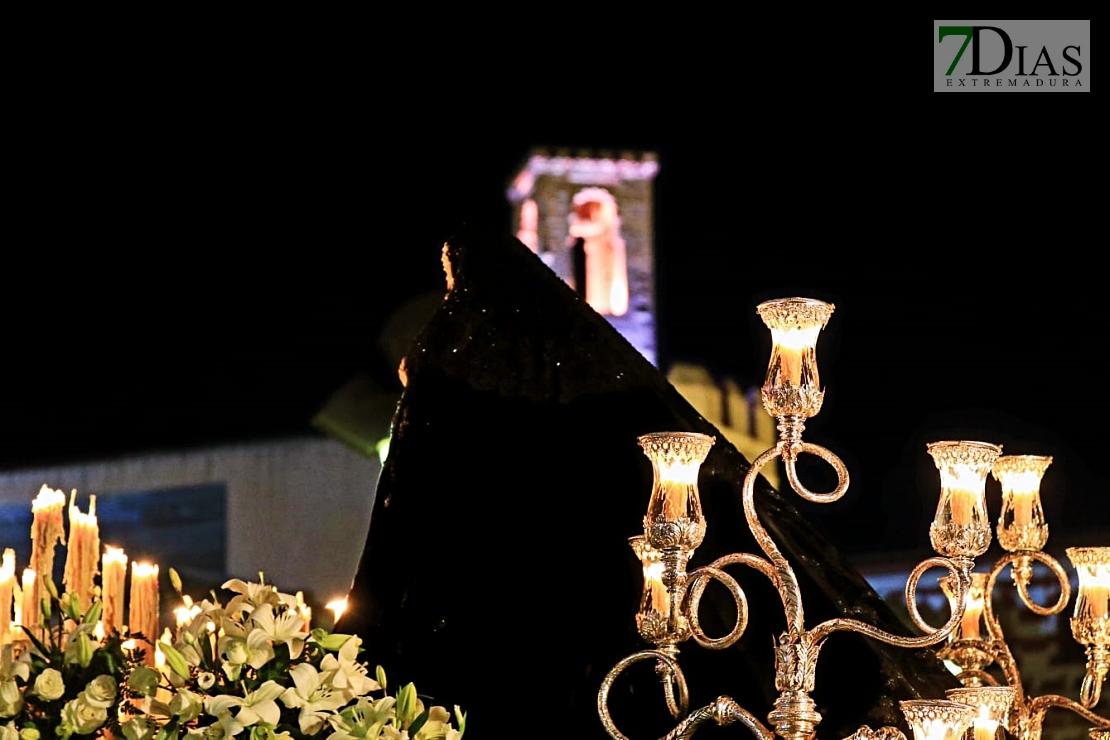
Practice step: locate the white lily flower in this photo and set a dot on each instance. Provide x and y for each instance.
(259, 651)
(251, 596)
(240, 647)
(286, 627)
(438, 726)
(20, 666)
(257, 706)
(315, 698)
(365, 719)
(228, 726)
(349, 674)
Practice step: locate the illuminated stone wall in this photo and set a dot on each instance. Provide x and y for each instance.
(284, 498)
(737, 413)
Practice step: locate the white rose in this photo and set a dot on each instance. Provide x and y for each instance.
(49, 685)
(186, 705)
(139, 728)
(8, 732)
(101, 692)
(236, 652)
(11, 698)
(82, 716)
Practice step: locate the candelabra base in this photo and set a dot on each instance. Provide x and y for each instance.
(795, 716)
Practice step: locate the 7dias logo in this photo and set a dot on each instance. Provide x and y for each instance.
(1044, 59)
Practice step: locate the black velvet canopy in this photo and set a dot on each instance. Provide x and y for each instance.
(497, 573)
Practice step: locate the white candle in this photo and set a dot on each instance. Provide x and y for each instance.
(32, 610)
(143, 613)
(113, 581)
(792, 344)
(84, 549)
(969, 625)
(675, 500)
(7, 591)
(47, 529)
(985, 729)
(304, 611)
(1098, 599)
(660, 599)
(791, 364)
(1023, 508)
(677, 479)
(962, 504)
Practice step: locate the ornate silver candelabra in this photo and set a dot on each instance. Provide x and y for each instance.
(675, 526)
(1023, 532)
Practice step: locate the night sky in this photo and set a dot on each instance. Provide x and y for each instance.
(219, 292)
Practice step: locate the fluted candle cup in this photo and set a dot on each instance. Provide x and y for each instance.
(934, 719)
(674, 516)
(793, 386)
(1090, 623)
(961, 528)
(992, 704)
(1021, 525)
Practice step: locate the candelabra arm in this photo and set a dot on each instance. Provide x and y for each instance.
(724, 711)
(785, 579)
(673, 681)
(752, 561)
(699, 579)
(960, 568)
(1040, 705)
(1022, 574)
(790, 451)
(674, 705)
(1098, 665)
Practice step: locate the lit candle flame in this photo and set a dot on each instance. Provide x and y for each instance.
(114, 555)
(337, 607)
(48, 498)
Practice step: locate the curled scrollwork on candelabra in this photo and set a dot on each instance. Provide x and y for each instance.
(1022, 531)
(674, 526)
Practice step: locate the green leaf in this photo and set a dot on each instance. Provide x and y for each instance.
(206, 652)
(36, 642)
(174, 658)
(418, 723)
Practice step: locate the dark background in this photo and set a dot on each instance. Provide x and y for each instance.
(216, 279)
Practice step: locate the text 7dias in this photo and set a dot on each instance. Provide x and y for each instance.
(972, 34)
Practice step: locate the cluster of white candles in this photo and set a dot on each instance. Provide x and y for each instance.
(21, 603)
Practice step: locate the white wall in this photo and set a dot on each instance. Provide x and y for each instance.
(297, 509)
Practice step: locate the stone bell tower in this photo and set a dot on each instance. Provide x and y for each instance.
(588, 215)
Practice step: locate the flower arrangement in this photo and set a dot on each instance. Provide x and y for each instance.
(62, 679)
(251, 669)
